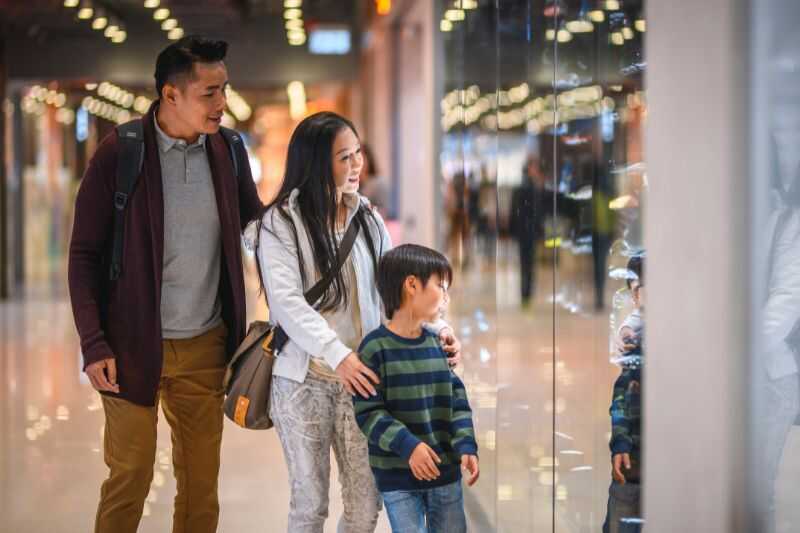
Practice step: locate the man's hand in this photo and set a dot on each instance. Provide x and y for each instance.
(356, 376)
(103, 375)
(423, 463)
(617, 462)
(451, 345)
(470, 464)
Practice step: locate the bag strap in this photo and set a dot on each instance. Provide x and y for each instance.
(130, 158)
(315, 293)
(236, 147)
(280, 338)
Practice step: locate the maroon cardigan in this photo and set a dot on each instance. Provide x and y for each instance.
(122, 319)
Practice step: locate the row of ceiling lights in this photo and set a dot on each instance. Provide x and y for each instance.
(168, 24)
(111, 27)
(293, 17)
(456, 13)
(39, 97)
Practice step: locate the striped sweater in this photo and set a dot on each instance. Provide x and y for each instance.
(419, 399)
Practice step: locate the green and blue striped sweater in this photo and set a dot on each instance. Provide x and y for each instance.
(419, 399)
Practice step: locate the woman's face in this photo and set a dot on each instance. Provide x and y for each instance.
(347, 161)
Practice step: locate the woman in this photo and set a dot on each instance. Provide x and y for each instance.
(318, 371)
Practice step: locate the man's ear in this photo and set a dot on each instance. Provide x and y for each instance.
(169, 93)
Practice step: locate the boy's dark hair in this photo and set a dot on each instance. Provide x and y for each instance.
(636, 267)
(408, 260)
(177, 60)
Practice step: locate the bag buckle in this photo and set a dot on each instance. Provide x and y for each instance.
(120, 200)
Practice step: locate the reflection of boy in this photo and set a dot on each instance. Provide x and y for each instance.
(624, 493)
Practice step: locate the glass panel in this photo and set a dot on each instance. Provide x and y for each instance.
(598, 182)
(468, 164)
(775, 439)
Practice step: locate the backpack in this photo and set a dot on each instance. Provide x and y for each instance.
(130, 159)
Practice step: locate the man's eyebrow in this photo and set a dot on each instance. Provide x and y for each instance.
(213, 87)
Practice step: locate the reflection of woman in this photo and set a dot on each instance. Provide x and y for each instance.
(373, 185)
(781, 317)
(318, 370)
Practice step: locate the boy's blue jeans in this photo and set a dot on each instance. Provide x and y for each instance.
(435, 510)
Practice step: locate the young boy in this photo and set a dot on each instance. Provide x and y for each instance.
(419, 424)
(624, 495)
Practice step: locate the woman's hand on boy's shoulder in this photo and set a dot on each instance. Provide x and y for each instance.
(357, 377)
(471, 464)
(451, 345)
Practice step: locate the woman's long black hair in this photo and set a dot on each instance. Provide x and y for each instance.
(309, 168)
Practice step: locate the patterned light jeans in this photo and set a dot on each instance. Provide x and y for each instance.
(310, 418)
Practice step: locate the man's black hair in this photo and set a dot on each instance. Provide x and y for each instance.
(178, 59)
(404, 261)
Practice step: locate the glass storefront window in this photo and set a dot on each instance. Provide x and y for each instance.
(544, 179)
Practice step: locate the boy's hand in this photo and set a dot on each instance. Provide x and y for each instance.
(617, 462)
(423, 463)
(470, 464)
(451, 345)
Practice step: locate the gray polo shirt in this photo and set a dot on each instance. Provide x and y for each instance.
(190, 304)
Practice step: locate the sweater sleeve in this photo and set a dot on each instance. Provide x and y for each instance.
(375, 420)
(461, 425)
(91, 234)
(621, 437)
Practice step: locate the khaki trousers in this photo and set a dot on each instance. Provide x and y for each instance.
(190, 393)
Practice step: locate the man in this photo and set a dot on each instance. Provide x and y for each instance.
(528, 208)
(163, 331)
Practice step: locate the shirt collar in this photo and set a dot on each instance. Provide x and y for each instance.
(166, 143)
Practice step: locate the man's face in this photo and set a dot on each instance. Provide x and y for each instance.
(199, 99)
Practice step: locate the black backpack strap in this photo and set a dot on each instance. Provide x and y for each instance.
(130, 158)
(236, 146)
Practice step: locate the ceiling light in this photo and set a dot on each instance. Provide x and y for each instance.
(292, 3)
(295, 35)
(119, 37)
(90, 86)
(580, 26)
(617, 38)
(564, 36)
(612, 5)
(446, 25)
(294, 24)
(86, 12)
(161, 13)
(299, 41)
(175, 34)
(469, 4)
(550, 35)
(598, 15)
(169, 24)
(290, 14)
(454, 15)
(99, 23)
(627, 33)
(111, 30)
(71, 3)
(151, 4)
(641, 25)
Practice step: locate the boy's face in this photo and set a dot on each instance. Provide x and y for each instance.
(637, 290)
(428, 300)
